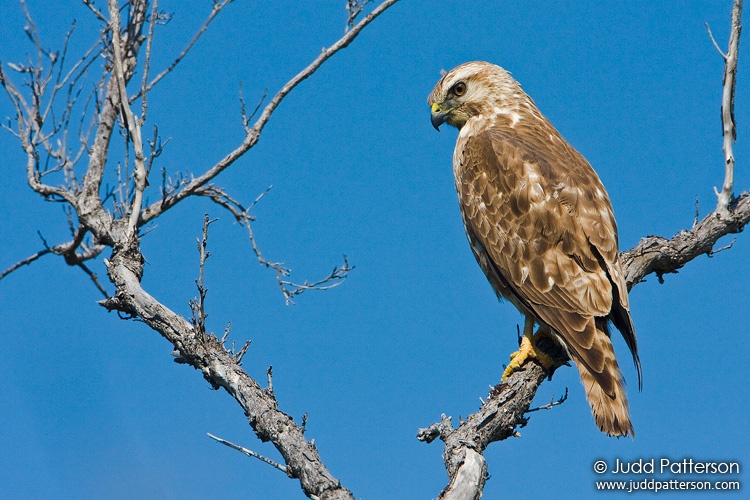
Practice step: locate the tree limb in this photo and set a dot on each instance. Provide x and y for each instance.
(727, 110)
(661, 256)
(221, 369)
(133, 127)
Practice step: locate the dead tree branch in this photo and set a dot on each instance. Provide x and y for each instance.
(249, 453)
(507, 404)
(553, 402)
(288, 288)
(251, 138)
(217, 8)
(220, 368)
(727, 110)
(658, 255)
(133, 127)
(198, 306)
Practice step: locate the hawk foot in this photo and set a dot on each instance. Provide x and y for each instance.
(528, 350)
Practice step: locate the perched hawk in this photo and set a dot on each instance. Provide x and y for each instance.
(541, 227)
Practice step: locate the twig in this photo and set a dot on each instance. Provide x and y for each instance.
(159, 207)
(245, 117)
(711, 253)
(337, 276)
(242, 215)
(67, 250)
(269, 376)
(552, 403)
(198, 307)
(259, 197)
(713, 40)
(147, 60)
(25, 262)
(442, 429)
(354, 9)
(226, 333)
(241, 354)
(157, 148)
(249, 453)
(96, 11)
(94, 278)
(218, 6)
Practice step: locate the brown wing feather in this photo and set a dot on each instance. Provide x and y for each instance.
(535, 238)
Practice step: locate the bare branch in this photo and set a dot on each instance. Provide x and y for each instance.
(552, 403)
(70, 252)
(159, 207)
(226, 332)
(497, 419)
(88, 203)
(288, 288)
(134, 128)
(354, 9)
(94, 279)
(697, 217)
(25, 262)
(269, 376)
(337, 276)
(725, 247)
(249, 453)
(199, 306)
(655, 254)
(727, 110)
(218, 6)
(147, 60)
(241, 353)
(245, 117)
(97, 12)
(220, 368)
(713, 40)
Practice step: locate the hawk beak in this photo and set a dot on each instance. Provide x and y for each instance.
(437, 117)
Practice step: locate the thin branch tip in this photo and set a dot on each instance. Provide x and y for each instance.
(249, 453)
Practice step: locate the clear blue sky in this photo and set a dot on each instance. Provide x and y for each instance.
(94, 407)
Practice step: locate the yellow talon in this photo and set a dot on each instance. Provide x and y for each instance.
(528, 350)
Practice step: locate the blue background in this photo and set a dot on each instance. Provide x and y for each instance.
(94, 407)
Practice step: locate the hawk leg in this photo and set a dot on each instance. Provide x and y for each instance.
(527, 350)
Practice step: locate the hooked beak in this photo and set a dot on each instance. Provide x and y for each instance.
(437, 116)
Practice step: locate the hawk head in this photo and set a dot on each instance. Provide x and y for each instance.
(472, 89)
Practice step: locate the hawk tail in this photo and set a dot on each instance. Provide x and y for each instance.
(610, 407)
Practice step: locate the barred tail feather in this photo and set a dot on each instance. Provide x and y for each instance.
(610, 410)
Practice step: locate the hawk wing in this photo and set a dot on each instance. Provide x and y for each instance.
(540, 219)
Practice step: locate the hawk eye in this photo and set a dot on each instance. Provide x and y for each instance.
(459, 89)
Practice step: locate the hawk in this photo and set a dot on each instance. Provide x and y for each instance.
(542, 229)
